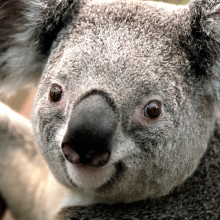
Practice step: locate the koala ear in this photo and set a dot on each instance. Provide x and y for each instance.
(203, 43)
(28, 29)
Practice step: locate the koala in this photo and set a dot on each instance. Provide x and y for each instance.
(125, 122)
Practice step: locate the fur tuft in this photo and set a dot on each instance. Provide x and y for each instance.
(203, 43)
(53, 17)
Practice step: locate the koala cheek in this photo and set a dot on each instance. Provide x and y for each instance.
(61, 134)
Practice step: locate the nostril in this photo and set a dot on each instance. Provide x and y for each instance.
(99, 159)
(70, 154)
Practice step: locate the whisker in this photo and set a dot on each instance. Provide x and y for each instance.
(51, 150)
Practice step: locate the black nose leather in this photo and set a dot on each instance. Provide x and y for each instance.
(89, 134)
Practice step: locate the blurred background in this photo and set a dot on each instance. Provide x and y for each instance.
(22, 101)
(177, 2)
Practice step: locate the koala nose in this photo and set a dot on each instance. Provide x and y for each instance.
(89, 133)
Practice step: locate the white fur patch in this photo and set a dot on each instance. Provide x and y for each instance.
(90, 178)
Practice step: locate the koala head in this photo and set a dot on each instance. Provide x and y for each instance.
(127, 100)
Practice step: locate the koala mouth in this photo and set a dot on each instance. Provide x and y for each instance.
(89, 177)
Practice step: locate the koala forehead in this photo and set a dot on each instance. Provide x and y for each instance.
(129, 48)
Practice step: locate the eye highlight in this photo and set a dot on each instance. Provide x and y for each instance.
(152, 110)
(55, 93)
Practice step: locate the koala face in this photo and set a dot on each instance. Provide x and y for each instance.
(119, 113)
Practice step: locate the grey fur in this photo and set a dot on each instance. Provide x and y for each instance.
(129, 52)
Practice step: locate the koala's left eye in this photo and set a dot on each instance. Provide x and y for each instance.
(55, 93)
(152, 110)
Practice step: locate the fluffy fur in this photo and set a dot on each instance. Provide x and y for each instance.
(127, 53)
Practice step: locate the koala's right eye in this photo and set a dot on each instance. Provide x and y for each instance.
(152, 110)
(55, 93)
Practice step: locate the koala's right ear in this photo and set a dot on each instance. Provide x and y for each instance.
(27, 31)
(203, 44)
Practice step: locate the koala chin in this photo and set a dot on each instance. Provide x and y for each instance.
(127, 101)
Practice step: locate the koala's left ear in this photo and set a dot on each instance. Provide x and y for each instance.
(28, 29)
(203, 43)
